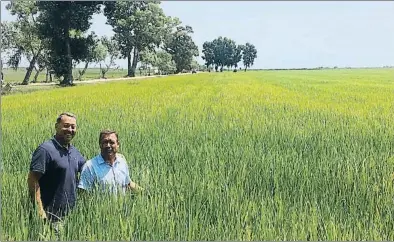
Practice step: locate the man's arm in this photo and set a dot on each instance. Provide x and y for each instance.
(134, 187)
(86, 179)
(38, 167)
(81, 162)
(34, 192)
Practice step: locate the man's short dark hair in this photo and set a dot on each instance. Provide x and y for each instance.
(107, 132)
(59, 118)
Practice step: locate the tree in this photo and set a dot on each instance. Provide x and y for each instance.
(249, 54)
(236, 56)
(24, 37)
(219, 52)
(138, 25)
(10, 48)
(7, 33)
(96, 53)
(148, 59)
(230, 53)
(208, 53)
(194, 65)
(203, 67)
(64, 24)
(42, 63)
(112, 53)
(164, 63)
(222, 52)
(227, 53)
(181, 47)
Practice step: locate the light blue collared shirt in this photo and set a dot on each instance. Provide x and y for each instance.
(98, 173)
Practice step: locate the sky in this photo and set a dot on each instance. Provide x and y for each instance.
(287, 34)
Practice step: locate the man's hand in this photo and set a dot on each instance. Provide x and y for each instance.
(135, 188)
(42, 214)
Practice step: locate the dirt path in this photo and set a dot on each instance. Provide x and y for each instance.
(100, 80)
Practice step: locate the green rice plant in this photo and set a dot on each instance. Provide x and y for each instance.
(284, 155)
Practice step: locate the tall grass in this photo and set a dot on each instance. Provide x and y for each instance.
(226, 156)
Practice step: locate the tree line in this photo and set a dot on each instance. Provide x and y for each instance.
(223, 52)
(53, 35)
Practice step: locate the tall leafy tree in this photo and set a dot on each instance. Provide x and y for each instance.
(120, 16)
(112, 53)
(164, 62)
(237, 55)
(249, 55)
(230, 52)
(6, 35)
(42, 63)
(148, 59)
(10, 49)
(137, 25)
(64, 24)
(194, 65)
(181, 47)
(96, 53)
(223, 51)
(208, 53)
(219, 52)
(24, 37)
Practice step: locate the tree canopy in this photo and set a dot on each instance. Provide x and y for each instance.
(249, 55)
(21, 37)
(65, 24)
(55, 35)
(181, 46)
(224, 51)
(137, 25)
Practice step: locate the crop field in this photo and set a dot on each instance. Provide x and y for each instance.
(259, 155)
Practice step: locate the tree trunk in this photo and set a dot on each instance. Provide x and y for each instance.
(178, 69)
(29, 70)
(129, 64)
(68, 77)
(135, 61)
(81, 73)
(36, 75)
(46, 76)
(104, 70)
(101, 72)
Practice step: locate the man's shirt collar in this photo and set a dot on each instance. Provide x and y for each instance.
(59, 145)
(101, 159)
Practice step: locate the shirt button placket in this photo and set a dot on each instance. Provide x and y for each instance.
(113, 175)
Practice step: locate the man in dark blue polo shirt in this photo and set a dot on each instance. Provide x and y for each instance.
(52, 179)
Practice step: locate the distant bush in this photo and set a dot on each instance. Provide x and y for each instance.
(6, 89)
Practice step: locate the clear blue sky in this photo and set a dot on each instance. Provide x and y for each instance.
(288, 34)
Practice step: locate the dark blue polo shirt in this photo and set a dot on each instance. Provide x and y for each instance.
(59, 167)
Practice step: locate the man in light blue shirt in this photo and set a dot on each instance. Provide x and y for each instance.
(107, 171)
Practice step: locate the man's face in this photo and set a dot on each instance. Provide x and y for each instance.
(109, 144)
(66, 128)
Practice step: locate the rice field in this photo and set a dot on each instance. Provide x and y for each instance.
(281, 155)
